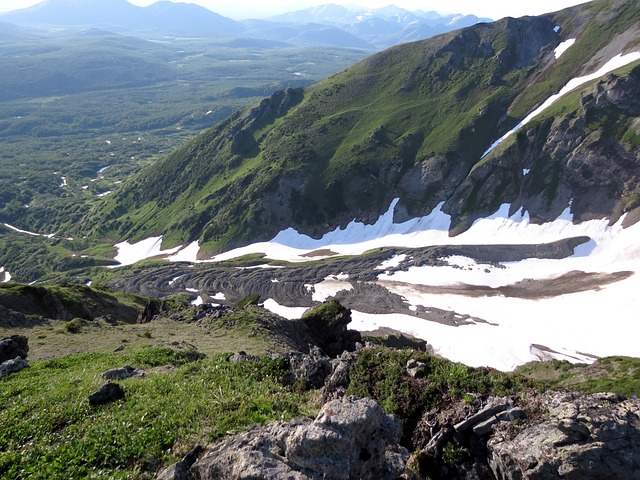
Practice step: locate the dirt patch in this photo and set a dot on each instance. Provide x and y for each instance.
(320, 253)
(530, 289)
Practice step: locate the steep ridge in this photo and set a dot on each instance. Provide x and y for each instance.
(411, 123)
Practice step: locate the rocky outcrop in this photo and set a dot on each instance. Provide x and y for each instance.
(580, 436)
(327, 328)
(349, 439)
(13, 346)
(533, 436)
(309, 370)
(336, 385)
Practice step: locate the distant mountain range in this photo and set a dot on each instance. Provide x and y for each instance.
(382, 27)
(326, 25)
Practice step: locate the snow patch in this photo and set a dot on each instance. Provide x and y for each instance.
(103, 194)
(393, 262)
(329, 287)
(26, 232)
(197, 301)
(4, 275)
(563, 47)
(290, 313)
(219, 296)
(525, 171)
(556, 28)
(129, 253)
(175, 279)
(186, 254)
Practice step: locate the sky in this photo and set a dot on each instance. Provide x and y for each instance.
(242, 9)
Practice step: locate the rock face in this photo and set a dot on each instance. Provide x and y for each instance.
(349, 439)
(584, 437)
(13, 346)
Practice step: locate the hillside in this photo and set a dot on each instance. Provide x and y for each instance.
(411, 123)
(181, 388)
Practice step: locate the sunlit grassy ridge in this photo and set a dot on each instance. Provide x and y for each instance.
(317, 157)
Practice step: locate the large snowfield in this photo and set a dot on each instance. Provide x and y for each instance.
(600, 321)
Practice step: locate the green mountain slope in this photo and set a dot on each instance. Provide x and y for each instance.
(411, 122)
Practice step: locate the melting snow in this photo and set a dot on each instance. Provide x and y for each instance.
(393, 262)
(329, 287)
(563, 47)
(197, 301)
(26, 232)
(6, 276)
(186, 254)
(287, 312)
(567, 324)
(128, 253)
(616, 62)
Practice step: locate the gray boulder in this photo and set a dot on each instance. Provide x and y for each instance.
(123, 372)
(581, 436)
(12, 366)
(13, 346)
(349, 439)
(109, 392)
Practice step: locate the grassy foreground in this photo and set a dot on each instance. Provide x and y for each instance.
(49, 430)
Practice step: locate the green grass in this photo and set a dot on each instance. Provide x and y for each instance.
(381, 373)
(49, 431)
(610, 374)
